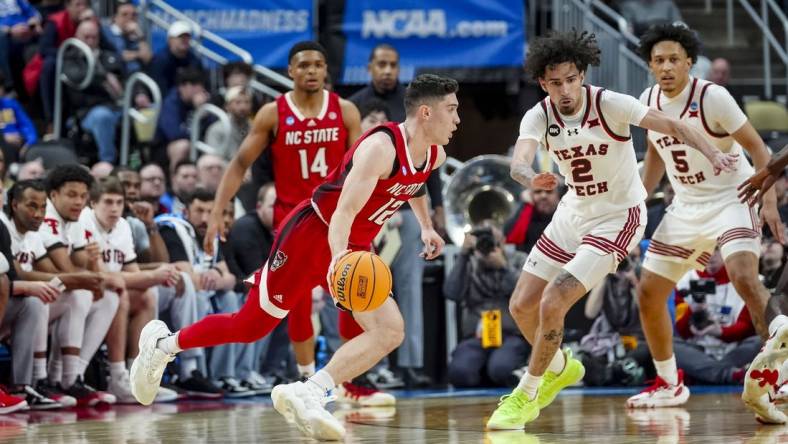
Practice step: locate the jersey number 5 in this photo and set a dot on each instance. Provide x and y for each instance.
(318, 163)
(678, 159)
(580, 171)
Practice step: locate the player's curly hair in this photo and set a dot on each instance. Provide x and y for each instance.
(674, 32)
(576, 47)
(62, 174)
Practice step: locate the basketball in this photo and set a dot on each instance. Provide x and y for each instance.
(362, 281)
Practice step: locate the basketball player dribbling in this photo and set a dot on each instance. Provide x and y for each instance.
(386, 167)
(705, 212)
(599, 220)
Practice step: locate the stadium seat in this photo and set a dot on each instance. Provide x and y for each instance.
(767, 115)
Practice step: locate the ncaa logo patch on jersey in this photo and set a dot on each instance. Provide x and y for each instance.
(290, 120)
(279, 259)
(553, 130)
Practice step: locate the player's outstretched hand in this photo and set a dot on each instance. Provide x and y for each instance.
(751, 191)
(770, 216)
(544, 181)
(215, 226)
(724, 162)
(330, 274)
(433, 244)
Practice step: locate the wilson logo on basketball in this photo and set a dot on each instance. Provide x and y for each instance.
(341, 286)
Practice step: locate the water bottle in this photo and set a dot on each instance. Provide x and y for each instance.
(322, 353)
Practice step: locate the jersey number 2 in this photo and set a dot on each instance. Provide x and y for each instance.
(318, 163)
(580, 171)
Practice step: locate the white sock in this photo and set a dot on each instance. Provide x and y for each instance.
(39, 369)
(169, 344)
(188, 365)
(323, 380)
(776, 323)
(667, 370)
(71, 369)
(306, 370)
(558, 363)
(116, 370)
(530, 384)
(55, 371)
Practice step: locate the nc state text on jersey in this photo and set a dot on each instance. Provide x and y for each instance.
(318, 135)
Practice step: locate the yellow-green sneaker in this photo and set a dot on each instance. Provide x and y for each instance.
(513, 412)
(552, 382)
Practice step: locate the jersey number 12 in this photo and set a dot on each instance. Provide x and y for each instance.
(318, 163)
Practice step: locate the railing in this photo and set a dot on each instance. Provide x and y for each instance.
(61, 78)
(621, 69)
(201, 34)
(129, 112)
(770, 42)
(199, 145)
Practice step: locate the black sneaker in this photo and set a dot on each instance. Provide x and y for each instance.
(233, 389)
(36, 400)
(384, 379)
(87, 396)
(55, 392)
(198, 386)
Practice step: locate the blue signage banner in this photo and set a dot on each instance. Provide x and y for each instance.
(265, 28)
(434, 34)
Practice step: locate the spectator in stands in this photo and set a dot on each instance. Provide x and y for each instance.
(101, 169)
(183, 182)
(483, 279)
(148, 243)
(172, 132)
(247, 248)
(137, 306)
(127, 37)
(152, 186)
(17, 129)
(772, 262)
(177, 54)
(384, 69)
(718, 338)
(33, 169)
(373, 112)
(40, 70)
(720, 72)
(239, 73)
(20, 26)
(238, 105)
(210, 169)
(95, 106)
(536, 211)
(642, 14)
(214, 283)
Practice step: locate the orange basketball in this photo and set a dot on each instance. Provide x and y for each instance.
(362, 281)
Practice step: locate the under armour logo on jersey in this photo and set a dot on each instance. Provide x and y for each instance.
(532, 262)
(593, 122)
(572, 131)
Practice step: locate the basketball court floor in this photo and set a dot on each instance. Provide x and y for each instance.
(578, 417)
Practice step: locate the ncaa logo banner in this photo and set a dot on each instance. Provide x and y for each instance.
(434, 34)
(265, 28)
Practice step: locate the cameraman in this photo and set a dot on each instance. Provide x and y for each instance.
(718, 335)
(482, 279)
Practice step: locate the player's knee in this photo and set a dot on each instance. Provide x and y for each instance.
(391, 336)
(745, 282)
(80, 302)
(523, 303)
(552, 305)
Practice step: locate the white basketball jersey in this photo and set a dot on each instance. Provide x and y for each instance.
(117, 246)
(711, 109)
(27, 248)
(57, 231)
(598, 164)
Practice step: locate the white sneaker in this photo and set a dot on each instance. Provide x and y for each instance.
(166, 395)
(661, 394)
(300, 403)
(763, 381)
(121, 388)
(350, 393)
(149, 365)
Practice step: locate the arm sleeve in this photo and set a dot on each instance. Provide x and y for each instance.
(25, 124)
(533, 125)
(721, 110)
(621, 110)
(434, 188)
(174, 245)
(456, 284)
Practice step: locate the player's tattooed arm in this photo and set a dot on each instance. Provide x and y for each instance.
(522, 173)
(522, 159)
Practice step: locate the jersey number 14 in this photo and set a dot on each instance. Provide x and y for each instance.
(318, 164)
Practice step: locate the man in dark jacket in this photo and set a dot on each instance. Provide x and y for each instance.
(96, 106)
(176, 55)
(482, 280)
(384, 70)
(171, 141)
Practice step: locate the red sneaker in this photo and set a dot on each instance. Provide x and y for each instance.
(661, 394)
(9, 403)
(363, 395)
(87, 396)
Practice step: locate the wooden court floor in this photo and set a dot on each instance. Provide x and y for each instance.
(576, 419)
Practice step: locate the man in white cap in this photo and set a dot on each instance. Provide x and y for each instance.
(177, 54)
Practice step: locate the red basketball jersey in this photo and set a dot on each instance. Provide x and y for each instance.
(388, 195)
(305, 150)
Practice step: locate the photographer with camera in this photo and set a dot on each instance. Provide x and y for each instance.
(481, 281)
(718, 337)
